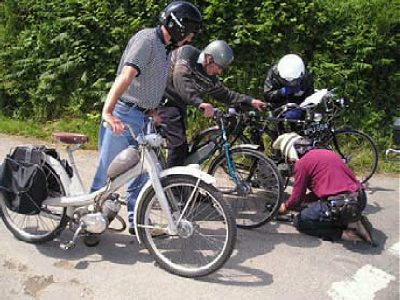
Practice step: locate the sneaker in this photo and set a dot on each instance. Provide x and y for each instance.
(349, 235)
(362, 229)
(368, 227)
(132, 231)
(91, 240)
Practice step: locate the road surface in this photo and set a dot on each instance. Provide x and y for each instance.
(271, 262)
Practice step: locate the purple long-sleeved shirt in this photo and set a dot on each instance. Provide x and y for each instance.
(323, 173)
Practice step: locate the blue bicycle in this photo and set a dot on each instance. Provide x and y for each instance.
(249, 180)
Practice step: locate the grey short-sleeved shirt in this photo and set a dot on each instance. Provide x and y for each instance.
(146, 52)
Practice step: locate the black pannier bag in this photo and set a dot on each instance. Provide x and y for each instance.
(23, 179)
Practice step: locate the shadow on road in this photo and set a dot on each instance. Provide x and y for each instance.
(113, 247)
(250, 245)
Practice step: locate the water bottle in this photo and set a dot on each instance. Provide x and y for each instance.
(200, 154)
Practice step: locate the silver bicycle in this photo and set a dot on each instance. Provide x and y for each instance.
(198, 230)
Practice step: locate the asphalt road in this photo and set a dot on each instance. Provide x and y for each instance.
(271, 262)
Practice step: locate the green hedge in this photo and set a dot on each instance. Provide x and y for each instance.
(59, 57)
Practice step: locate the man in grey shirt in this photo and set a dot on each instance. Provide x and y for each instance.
(139, 86)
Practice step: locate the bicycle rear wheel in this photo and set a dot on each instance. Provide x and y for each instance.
(38, 228)
(206, 230)
(258, 192)
(358, 151)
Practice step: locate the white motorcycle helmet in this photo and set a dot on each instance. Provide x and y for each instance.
(292, 145)
(291, 69)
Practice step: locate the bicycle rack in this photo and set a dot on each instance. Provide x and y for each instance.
(392, 155)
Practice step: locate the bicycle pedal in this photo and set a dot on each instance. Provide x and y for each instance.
(67, 246)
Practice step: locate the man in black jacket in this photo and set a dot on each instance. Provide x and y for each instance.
(288, 82)
(192, 75)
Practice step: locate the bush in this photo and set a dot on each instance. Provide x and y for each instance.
(60, 56)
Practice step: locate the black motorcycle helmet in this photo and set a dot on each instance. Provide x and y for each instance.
(181, 18)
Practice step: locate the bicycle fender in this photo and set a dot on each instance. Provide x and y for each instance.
(244, 146)
(190, 170)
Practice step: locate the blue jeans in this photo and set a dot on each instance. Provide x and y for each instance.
(110, 145)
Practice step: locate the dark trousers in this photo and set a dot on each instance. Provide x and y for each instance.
(312, 220)
(178, 148)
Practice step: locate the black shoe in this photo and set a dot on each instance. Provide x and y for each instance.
(368, 226)
(362, 229)
(91, 240)
(132, 231)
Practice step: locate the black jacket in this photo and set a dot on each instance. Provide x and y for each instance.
(273, 83)
(188, 82)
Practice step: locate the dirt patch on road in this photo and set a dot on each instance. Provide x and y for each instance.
(33, 285)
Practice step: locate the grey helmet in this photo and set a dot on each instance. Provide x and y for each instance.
(221, 53)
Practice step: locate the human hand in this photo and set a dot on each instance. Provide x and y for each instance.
(207, 109)
(289, 90)
(258, 104)
(115, 124)
(282, 209)
(156, 117)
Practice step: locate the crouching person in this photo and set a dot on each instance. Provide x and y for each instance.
(333, 208)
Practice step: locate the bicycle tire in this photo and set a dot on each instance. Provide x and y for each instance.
(38, 228)
(347, 143)
(208, 222)
(263, 192)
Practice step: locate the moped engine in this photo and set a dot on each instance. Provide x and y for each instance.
(97, 222)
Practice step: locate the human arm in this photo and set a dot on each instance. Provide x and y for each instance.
(119, 86)
(301, 182)
(225, 95)
(272, 93)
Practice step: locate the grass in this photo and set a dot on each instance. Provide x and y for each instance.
(43, 130)
(89, 125)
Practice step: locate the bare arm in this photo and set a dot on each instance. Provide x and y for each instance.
(120, 85)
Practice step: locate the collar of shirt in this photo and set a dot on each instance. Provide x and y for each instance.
(169, 47)
(160, 35)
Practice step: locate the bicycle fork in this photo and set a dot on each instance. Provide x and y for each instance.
(151, 161)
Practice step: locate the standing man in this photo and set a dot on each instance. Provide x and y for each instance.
(193, 75)
(288, 81)
(333, 208)
(139, 86)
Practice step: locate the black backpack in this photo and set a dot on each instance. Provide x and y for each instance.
(23, 179)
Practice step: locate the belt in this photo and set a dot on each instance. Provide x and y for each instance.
(344, 196)
(134, 105)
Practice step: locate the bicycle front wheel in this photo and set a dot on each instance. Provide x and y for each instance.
(206, 227)
(256, 193)
(358, 151)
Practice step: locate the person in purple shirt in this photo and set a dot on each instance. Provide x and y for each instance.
(332, 210)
